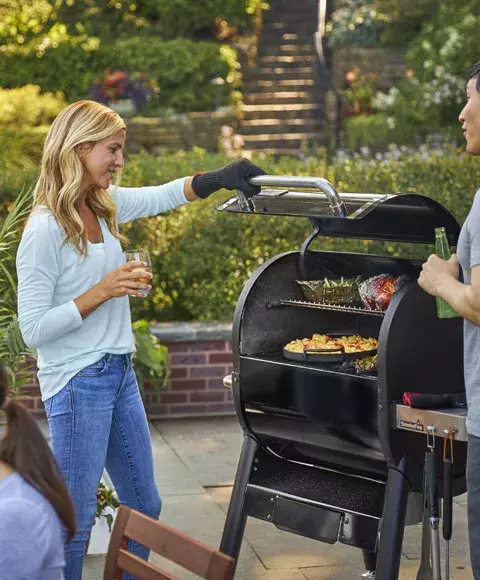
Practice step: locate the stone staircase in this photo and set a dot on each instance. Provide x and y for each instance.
(283, 107)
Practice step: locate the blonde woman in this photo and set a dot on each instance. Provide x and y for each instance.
(73, 306)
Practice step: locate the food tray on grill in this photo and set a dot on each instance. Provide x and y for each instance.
(330, 354)
(337, 292)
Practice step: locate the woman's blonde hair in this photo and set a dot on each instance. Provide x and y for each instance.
(59, 185)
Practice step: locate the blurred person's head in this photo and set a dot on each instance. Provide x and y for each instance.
(24, 450)
(470, 115)
(82, 155)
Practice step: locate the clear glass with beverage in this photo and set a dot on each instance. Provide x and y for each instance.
(140, 256)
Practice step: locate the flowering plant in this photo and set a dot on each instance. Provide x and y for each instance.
(106, 498)
(121, 84)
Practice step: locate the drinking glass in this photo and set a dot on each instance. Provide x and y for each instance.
(140, 256)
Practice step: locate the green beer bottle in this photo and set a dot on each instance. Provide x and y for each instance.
(444, 310)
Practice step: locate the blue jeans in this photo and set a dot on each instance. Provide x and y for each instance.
(98, 421)
(473, 501)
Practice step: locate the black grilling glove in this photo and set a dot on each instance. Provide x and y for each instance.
(235, 175)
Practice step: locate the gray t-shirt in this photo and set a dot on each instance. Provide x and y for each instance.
(468, 252)
(31, 544)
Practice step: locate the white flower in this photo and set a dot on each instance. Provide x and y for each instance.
(390, 122)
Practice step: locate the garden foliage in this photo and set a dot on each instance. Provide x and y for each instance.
(182, 69)
(440, 38)
(202, 258)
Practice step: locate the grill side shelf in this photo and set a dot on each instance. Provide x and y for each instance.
(321, 306)
(443, 419)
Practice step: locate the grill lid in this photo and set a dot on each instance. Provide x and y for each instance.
(399, 217)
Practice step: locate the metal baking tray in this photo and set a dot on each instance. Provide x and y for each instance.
(332, 355)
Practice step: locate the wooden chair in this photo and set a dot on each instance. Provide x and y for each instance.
(165, 541)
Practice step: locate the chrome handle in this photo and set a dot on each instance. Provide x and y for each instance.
(319, 183)
(227, 382)
(245, 203)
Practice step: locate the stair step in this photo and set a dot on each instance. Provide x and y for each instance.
(302, 22)
(284, 93)
(296, 11)
(284, 37)
(278, 83)
(286, 115)
(298, 24)
(280, 4)
(279, 73)
(287, 60)
(278, 98)
(284, 49)
(273, 122)
(277, 51)
(278, 144)
(269, 137)
(280, 126)
(281, 70)
(291, 107)
(277, 151)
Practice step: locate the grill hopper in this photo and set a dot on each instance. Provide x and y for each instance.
(322, 434)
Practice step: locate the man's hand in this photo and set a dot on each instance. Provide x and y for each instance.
(436, 271)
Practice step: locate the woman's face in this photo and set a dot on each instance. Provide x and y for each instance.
(102, 160)
(470, 118)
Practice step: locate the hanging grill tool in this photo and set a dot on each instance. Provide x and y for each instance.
(425, 570)
(431, 471)
(447, 496)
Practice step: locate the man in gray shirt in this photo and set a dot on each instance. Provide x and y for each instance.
(440, 278)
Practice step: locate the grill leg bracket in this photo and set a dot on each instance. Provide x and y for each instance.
(393, 523)
(236, 518)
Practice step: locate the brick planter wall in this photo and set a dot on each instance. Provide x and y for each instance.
(200, 356)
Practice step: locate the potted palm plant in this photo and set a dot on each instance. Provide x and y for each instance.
(13, 351)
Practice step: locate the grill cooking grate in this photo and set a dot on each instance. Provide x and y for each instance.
(320, 306)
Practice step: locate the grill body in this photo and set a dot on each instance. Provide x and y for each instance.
(317, 413)
(322, 456)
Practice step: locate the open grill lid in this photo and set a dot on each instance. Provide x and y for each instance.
(399, 217)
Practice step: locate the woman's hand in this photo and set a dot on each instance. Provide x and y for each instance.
(125, 280)
(436, 271)
(235, 175)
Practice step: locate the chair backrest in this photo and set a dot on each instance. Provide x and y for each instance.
(165, 541)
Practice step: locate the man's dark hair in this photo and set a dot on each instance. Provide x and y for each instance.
(474, 72)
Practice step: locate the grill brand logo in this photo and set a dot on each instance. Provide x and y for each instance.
(412, 425)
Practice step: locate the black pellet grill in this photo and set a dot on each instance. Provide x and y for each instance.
(326, 453)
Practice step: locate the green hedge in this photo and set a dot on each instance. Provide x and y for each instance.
(376, 131)
(202, 258)
(173, 18)
(182, 68)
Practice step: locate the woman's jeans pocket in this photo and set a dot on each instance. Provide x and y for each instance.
(61, 403)
(95, 369)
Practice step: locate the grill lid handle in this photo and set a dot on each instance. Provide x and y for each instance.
(319, 183)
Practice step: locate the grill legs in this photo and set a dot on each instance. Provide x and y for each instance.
(393, 523)
(370, 561)
(236, 519)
